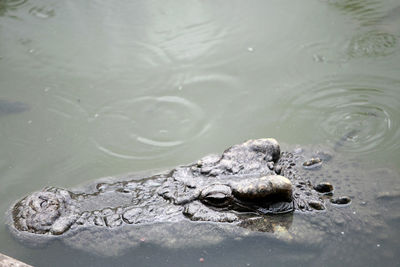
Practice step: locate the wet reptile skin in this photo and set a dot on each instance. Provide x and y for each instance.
(246, 181)
(221, 198)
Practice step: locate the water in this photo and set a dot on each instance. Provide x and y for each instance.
(103, 88)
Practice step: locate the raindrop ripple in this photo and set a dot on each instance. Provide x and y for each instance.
(147, 127)
(356, 113)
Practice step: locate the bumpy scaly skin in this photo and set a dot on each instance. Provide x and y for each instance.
(248, 180)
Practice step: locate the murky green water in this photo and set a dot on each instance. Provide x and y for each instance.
(96, 88)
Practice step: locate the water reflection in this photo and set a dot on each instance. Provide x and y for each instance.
(134, 44)
(147, 126)
(367, 12)
(7, 6)
(379, 30)
(177, 235)
(185, 42)
(174, 79)
(42, 12)
(372, 43)
(10, 107)
(187, 38)
(362, 110)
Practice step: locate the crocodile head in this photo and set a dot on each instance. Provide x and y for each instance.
(248, 181)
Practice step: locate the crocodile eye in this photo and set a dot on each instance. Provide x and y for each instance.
(216, 195)
(216, 198)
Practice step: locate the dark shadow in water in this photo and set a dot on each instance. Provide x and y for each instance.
(9, 107)
(346, 137)
(7, 6)
(380, 28)
(367, 12)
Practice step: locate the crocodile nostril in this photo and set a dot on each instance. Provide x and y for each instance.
(316, 205)
(324, 187)
(341, 200)
(313, 163)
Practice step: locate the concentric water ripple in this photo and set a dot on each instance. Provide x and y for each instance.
(372, 44)
(10, 5)
(42, 12)
(117, 39)
(366, 12)
(147, 127)
(367, 44)
(376, 36)
(358, 114)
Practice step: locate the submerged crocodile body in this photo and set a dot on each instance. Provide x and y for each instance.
(247, 181)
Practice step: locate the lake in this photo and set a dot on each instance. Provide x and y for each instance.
(90, 89)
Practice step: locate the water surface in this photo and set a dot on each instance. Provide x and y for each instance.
(96, 88)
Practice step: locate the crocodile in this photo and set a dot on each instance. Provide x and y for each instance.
(252, 185)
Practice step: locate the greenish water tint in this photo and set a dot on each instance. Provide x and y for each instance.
(94, 88)
(7, 107)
